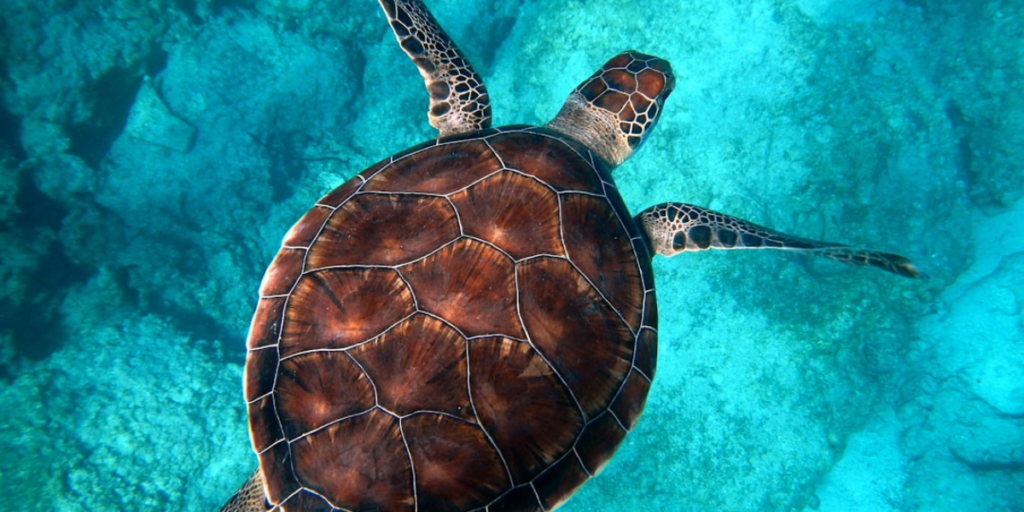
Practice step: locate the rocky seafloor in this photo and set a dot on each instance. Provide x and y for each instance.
(153, 154)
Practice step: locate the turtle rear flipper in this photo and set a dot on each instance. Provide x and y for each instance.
(458, 99)
(673, 228)
(249, 497)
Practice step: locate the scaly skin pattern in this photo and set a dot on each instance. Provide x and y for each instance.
(458, 99)
(673, 228)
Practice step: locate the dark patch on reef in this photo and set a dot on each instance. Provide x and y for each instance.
(217, 7)
(156, 61)
(112, 97)
(10, 135)
(211, 335)
(36, 209)
(189, 8)
(287, 165)
(36, 325)
(35, 322)
(501, 28)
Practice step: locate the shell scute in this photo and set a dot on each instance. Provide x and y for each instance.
(383, 229)
(560, 481)
(265, 327)
(283, 272)
(318, 388)
(416, 363)
(549, 159)
(630, 402)
(265, 427)
(456, 467)
(597, 442)
(558, 304)
(338, 308)
(526, 409)
(471, 285)
(278, 477)
(342, 463)
(515, 213)
(307, 227)
(260, 372)
(609, 261)
(439, 169)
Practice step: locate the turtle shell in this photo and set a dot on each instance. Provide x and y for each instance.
(468, 324)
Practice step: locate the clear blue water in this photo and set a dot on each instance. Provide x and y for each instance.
(154, 153)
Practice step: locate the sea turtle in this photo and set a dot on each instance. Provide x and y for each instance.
(471, 324)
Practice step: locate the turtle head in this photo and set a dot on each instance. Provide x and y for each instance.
(614, 111)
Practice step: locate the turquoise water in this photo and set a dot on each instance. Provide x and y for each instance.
(155, 152)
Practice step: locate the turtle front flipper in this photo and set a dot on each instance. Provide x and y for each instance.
(673, 228)
(458, 99)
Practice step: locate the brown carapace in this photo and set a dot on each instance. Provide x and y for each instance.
(466, 325)
(471, 324)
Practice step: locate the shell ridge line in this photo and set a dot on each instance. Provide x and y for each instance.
(536, 494)
(275, 443)
(540, 181)
(373, 385)
(427, 255)
(433, 195)
(528, 259)
(476, 415)
(348, 267)
(495, 334)
(598, 290)
(486, 140)
(412, 464)
(290, 457)
(273, 398)
(642, 374)
(622, 386)
(581, 193)
(332, 423)
(580, 459)
(391, 162)
(335, 207)
(314, 492)
(424, 412)
(491, 245)
(261, 397)
(561, 227)
(354, 345)
(412, 293)
(290, 496)
(617, 420)
(472, 183)
(458, 220)
(264, 347)
(604, 299)
(635, 242)
(554, 371)
(443, 320)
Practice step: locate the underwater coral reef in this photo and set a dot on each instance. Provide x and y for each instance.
(154, 153)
